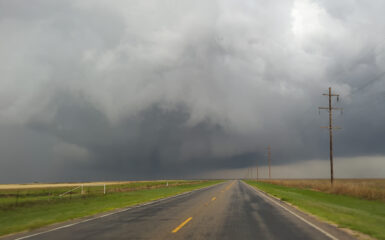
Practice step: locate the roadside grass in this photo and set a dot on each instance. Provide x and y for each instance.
(35, 209)
(366, 216)
(370, 189)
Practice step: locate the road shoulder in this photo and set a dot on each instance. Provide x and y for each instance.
(329, 229)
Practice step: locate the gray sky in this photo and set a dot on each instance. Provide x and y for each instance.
(105, 90)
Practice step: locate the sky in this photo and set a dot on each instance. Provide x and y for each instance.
(119, 90)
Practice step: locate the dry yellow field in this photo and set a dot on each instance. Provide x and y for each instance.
(371, 189)
(56, 185)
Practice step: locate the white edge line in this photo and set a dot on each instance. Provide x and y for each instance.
(301, 218)
(108, 214)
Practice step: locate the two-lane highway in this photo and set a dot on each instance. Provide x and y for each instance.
(231, 210)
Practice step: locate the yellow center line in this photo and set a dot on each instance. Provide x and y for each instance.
(213, 199)
(229, 186)
(181, 225)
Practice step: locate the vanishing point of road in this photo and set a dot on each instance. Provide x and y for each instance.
(230, 210)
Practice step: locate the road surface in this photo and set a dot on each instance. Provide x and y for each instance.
(231, 210)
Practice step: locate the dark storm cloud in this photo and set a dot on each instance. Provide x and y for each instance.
(133, 89)
(154, 143)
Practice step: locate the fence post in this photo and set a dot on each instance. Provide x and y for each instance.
(104, 189)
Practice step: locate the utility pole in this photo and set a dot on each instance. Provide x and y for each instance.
(269, 159)
(257, 169)
(330, 127)
(249, 174)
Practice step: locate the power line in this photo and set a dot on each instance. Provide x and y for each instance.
(330, 127)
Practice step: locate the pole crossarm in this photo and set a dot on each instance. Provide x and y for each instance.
(334, 127)
(333, 108)
(333, 95)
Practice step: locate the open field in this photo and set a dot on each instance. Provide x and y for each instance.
(370, 189)
(29, 208)
(366, 216)
(30, 194)
(86, 184)
(56, 185)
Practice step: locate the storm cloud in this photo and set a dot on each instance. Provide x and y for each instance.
(170, 89)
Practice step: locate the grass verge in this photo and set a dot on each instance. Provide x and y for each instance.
(357, 214)
(40, 213)
(369, 189)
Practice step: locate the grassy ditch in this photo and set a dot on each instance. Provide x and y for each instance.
(26, 209)
(362, 215)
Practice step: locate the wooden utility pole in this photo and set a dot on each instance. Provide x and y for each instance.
(269, 159)
(330, 127)
(248, 173)
(257, 169)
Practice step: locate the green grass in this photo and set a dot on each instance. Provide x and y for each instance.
(39, 207)
(348, 212)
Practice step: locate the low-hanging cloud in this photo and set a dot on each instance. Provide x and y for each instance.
(150, 89)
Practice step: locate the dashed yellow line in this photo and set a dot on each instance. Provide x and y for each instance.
(229, 186)
(181, 225)
(206, 204)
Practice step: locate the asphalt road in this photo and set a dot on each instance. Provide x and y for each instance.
(232, 210)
